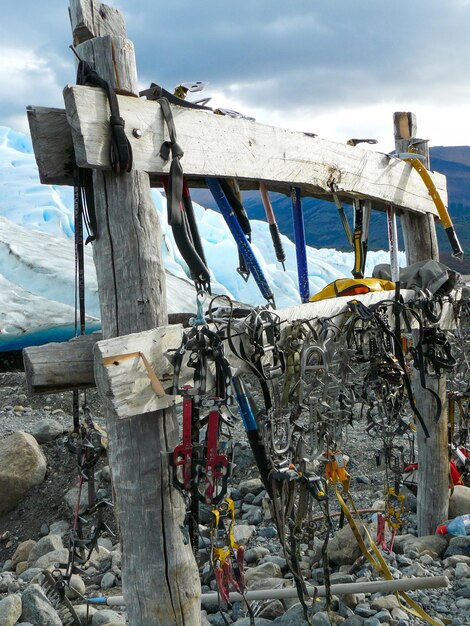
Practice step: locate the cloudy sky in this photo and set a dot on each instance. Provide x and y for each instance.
(338, 68)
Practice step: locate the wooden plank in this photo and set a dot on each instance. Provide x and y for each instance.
(52, 144)
(216, 145)
(124, 382)
(57, 367)
(94, 19)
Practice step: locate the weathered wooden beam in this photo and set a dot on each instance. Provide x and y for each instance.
(58, 367)
(159, 574)
(433, 460)
(52, 144)
(94, 19)
(217, 145)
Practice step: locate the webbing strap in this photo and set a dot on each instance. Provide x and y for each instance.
(378, 562)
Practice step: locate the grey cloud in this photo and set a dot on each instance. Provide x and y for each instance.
(307, 53)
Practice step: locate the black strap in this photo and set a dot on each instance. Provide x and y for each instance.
(155, 92)
(120, 150)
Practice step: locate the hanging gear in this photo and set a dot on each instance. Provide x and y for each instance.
(300, 245)
(362, 211)
(273, 227)
(120, 150)
(442, 211)
(240, 239)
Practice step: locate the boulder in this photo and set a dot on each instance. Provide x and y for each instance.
(254, 485)
(22, 552)
(459, 502)
(22, 466)
(343, 547)
(46, 429)
(266, 570)
(10, 610)
(106, 616)
(37, 609)
(44, 546)
(436, 544)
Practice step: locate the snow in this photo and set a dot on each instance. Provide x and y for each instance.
(37, 265)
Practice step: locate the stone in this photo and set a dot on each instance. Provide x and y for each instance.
(384, 602)
(419, 545)
(43, 546)
(462, 570)
(22, 552)
(353, 599)
(459, 501)
(10, 610)
(22, 466)
(108, 580)
(71, 499)
(253, 555)
(452, 561)
(354, 620)
(269, 532)
(272, 610)
(245, 621)
(364, 610)
(400, 614)
(51, 558)
(21, 567)
(279, 560)
(59, 528)
(458, 546)
(343, 547)
(76, 589)
(28, 575)
(371, 621)
(46, 429)
(321, 619)
(243, 532)
(106, 616)
(81, 611)
(253, 485)
(383, 616)
(265, 570)
(36, 608)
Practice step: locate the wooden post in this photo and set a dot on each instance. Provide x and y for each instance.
(160, 577)
(419, 232)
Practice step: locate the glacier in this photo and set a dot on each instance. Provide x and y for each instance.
(37, 264)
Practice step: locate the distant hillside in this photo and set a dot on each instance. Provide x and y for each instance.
(323, 227)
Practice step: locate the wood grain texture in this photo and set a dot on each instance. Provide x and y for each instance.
(57, 367)
(52, 144)
(215, 145)
(94, 19)
(419, 233)
(160, 577)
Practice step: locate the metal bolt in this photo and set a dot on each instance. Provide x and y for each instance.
(137, 133)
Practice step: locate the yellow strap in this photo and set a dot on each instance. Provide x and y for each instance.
(154, 381)
(379, 562)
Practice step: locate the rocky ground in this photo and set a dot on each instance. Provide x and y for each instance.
(37, 469)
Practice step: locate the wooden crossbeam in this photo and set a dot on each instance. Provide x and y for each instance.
(216, 145)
